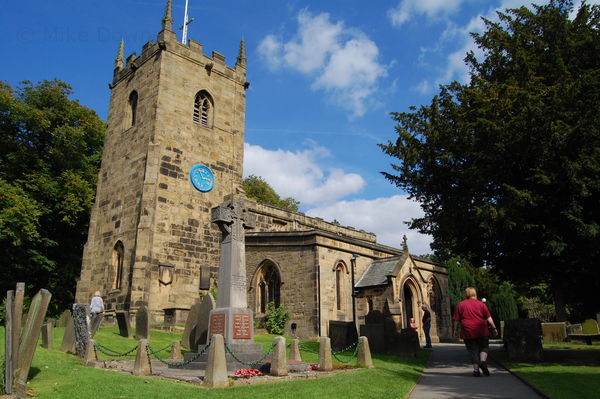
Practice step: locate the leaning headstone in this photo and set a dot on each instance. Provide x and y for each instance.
(30, 337)
(196, 326)
(325, 360)
(215, 375)
(363, 358)
(554, 333)
(17, 323)
(63, 319)
(142, 323)
(142, 365)
(47, 335)
(81, 324)
(8, 350)
(123, 323)
(95, 322)
(68, 342)
(295, 350)
(190, 327)
(523, 339)
(279, 364)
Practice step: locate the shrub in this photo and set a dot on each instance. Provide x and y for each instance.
(275, 318)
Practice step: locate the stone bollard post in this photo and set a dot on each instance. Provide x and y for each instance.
(91, 356)
(142, 365)
(325, 360)
(47, 335)
(363, 359)
(176, 351)
(216, 367)
(295, 350)
(279, 364)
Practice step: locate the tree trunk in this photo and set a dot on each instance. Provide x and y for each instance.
(559, 303)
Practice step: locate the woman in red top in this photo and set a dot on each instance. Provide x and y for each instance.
(473, 316)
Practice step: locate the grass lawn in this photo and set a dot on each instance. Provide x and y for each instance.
(563, 374)
(57, 375)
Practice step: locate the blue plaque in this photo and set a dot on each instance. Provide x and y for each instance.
(202, 178)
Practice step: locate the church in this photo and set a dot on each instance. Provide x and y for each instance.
(173, 150)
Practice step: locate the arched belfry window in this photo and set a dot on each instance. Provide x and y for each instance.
(340, 286)
(268, 286)
(118, 255)
(203, 109)
(133, 103)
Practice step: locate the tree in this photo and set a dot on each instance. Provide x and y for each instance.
(507, 167)
(258, 189)
(50, 151)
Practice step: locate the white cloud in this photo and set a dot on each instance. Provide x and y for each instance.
(383, 216)
(407, 9)
(341, 61)
(297, 174)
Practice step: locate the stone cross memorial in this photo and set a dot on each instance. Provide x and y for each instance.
(232, 318)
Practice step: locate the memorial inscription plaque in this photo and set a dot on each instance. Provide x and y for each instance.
(217, 324)
(241, 326)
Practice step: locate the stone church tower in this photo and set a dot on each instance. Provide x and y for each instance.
(173, 150)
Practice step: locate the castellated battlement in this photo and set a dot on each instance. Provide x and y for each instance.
(192, 52)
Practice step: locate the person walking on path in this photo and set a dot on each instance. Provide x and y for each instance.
(96, 309)
(473, 317)
(426, 324)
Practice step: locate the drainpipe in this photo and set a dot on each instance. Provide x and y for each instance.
(353, 266)
(319, 298)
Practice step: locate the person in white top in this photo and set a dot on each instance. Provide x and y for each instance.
(97, 305)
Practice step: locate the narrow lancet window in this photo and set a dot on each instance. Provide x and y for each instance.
(133, 100)
(203, 109)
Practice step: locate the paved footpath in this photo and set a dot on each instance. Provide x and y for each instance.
(449, 376)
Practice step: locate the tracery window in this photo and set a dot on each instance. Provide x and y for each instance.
(203, 109)
(268, 286)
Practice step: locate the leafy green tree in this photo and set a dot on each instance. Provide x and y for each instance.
(50, 151)
(459, 278)
(275, 318)
(258, 189)
(507, 167)
(502, 304)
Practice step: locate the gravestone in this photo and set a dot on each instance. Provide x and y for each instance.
(598, 318)
(190, 327)
(590, 326)
(342, 334)
(62, 320)
(68, 342)
(196, 326)
(123, 323)
(523, 339)
(95, 322)
(406, 343)
(574, 328)
(373, 330)
(142, 323)
(17, 323)
(554, 333)
(47, 335)
(81, 324)
(30, 337)
(8, 350)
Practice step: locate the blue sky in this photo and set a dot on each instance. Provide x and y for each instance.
(324, 77)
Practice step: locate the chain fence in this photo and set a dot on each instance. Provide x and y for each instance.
(178, 364)
(250, 364)
(112, 353)
(352, 356)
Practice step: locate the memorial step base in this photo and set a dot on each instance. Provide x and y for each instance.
(245, 352)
